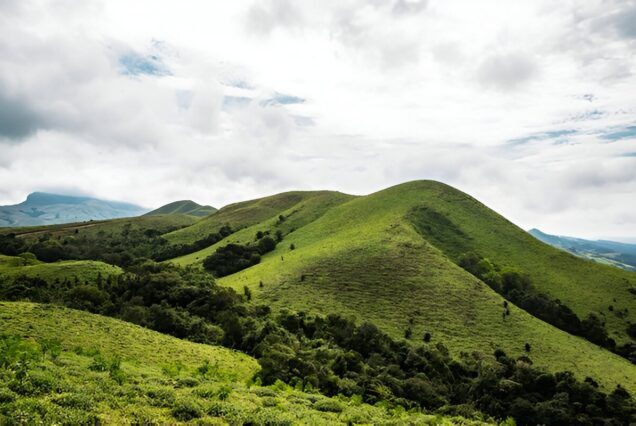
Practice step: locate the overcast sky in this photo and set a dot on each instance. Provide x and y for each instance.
(530, 106)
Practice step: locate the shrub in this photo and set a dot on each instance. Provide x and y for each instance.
(266, 244)
(187, 382)
(232, 258)
(185, 410)
(80, 401)
(161, 397)
(224, 392)
(328, 405)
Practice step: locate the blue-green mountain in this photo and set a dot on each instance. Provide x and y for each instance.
(42, 208)
(613, 253)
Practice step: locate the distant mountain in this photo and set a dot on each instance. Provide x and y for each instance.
(614, 253)
(42, 208)
(187, 207)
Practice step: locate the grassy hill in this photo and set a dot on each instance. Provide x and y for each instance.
(390, 258)
(251, 212)
(186, 207)
(83, 270)
(71, 367)
(163, 224)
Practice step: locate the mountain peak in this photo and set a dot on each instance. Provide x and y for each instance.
(39, 198)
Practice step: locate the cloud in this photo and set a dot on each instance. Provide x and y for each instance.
(506, 71)
(628, 132)
(17, 119)
(409, 7)
(282, 99)
(246, 99)
(265, 16)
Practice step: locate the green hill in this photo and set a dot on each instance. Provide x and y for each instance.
(251, 212)
(61, 366)
(83, 270)
(186, 207)
(390, 257)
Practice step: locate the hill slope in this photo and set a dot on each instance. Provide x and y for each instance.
(248, 213)
(45, 209)
(100, 370)
(389, 258)
(621, 255)
(82, 270)
(186, 207)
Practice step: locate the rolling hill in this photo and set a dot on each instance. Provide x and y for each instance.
(42, 208)
(186, 207)
(391, 258)
(613, 253)
(88, 369)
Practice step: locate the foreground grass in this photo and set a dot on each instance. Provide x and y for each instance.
(110, 372)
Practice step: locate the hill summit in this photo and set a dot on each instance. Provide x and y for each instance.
(187, 207)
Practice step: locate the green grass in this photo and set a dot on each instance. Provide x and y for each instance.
(162, 223)
(248, 213)
(83, 270)
(111, 372)
(186, 207)
(366, 258)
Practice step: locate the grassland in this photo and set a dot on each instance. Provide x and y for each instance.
(247, 213)
(101, 370)
(371, 257)
(162, 223)
(184, 207)
(82, 270)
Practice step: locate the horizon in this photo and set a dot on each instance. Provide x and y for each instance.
(620, 239)
(526, 107)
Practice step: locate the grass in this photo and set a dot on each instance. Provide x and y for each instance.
(163, 223)
(248, 213)
(185, 207)
(369, 258)
(83, 270)
(105, 371)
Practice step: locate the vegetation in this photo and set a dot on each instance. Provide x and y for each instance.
(118, 242)
(72, 367)
(334, 355)
(483, 343)
(367, 258)
(518, 289)
(186, 207)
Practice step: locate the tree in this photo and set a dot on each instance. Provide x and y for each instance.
(247, 292)
(266, 244)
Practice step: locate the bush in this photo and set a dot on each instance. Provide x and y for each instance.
(328, 405)
(232, 258)
(161, 397)
(185, 410)
(266, 244)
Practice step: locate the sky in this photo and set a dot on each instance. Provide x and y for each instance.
(529, 106)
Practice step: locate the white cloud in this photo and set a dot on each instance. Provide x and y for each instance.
(154, 101)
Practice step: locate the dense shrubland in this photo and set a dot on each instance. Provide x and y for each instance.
(333, 354)
(232, 258)
(118, 246)
(518, 289)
